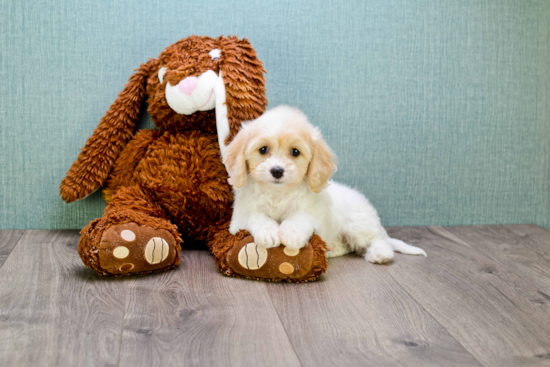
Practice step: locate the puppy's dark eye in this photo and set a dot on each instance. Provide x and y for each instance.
(295, 152)
(264, 150)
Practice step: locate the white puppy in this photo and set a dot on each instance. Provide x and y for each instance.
(279, 167)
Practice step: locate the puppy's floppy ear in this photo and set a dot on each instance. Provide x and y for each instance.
(243, 75)
(322, 164)
(234, 160)
(96, 159)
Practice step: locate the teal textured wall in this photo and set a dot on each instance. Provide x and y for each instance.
(438, 110)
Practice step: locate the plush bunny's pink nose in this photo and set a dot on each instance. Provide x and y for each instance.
(188, 84)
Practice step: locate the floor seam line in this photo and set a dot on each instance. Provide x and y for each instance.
(429, 313)
(283, 325)
(435, 319)
(122, 325)
(13, 248)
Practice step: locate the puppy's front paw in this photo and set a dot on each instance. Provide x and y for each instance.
(292, 236)
(268, 236)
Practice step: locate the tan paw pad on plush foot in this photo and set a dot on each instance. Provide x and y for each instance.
(249, 259)
(252, 256)
(130, 248)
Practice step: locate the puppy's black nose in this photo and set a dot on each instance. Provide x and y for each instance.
(277, 172)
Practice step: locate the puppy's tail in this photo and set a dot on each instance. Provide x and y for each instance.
(404, 248)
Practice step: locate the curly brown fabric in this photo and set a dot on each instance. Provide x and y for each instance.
(127, 161)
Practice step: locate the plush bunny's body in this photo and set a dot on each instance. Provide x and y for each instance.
(166, 185)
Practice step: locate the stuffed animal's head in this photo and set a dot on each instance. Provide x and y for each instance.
(182, 81)
(181, 89)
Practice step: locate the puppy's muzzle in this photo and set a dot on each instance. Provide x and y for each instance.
(277, 172)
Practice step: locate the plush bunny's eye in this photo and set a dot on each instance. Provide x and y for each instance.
(215, 54)
(162, 71)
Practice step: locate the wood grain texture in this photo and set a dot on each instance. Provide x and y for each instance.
(357, 315)
(492, 312)
(513, 252)
(53, 311)
(196, 316)
(481, 297)
(534, 237)
(8, 240)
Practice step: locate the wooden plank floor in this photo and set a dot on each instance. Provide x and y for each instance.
(481, 298)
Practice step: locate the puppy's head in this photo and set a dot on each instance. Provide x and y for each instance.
(280, 149)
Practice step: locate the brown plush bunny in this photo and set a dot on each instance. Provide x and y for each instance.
(171, 180)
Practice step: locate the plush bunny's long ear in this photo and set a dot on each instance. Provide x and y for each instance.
(97, 157)
(243, 75)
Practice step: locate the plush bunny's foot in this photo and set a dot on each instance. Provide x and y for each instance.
(129, 248)
(239, 256)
